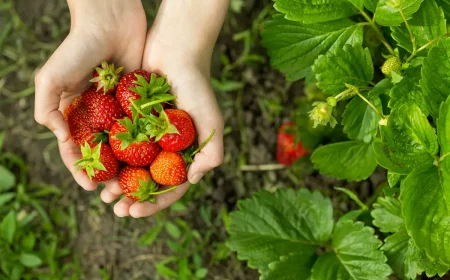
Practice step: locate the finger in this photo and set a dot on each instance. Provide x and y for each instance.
(132, 59)
(122, 208)
(68, 69)
(69, 154)
(145, 209)
(111, 192)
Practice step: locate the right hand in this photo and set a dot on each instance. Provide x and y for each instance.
(111, 30)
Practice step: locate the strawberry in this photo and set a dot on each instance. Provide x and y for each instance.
(98, 162)
(76, 115)
(130, 145)
(174, 142)
(103, 109)
(106, 78)
(148, 91)
(288, 150)
(169, 169)
(136, 183)
(392, 64)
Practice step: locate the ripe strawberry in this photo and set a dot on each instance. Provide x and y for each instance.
(130, 145)
(169, 169)
(137, 184)
(76, 115)
(287, 150)
(148, 91)
(174, 142)
(98, 162)
(103, 109)
(106, 78)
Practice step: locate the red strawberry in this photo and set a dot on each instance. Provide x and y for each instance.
(77, 118)
(137, 184)
(130, 145)
(106, 78)
(103, 109)
(287, 150)
(174, 142)
(98, 162)
(169, 169)
(147, 89)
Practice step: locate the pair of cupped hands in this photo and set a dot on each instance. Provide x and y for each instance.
(116, 31)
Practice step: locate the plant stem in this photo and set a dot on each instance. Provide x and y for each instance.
(378, 31)
(371, 105)
(263, 167)
(443, 157)
(343, 94)
(136, 107)
(411, 35)
(164, 191)
(158, 102)
(204, 143)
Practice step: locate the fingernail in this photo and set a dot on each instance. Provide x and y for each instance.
(58, 135)
(196, 178)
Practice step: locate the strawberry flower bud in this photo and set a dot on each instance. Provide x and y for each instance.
(322, 114)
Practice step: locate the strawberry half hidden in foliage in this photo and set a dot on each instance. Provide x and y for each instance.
(288, 150)
(106, 78)
(130, 145)
(98, 162)
(148, 90)
(170, 168)
(76, 116)
(103, 109)
(174, 130)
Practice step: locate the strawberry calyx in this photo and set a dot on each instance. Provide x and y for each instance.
(133, 134)
(90, 160)
(157, 127)
(146, 191)
(189, 153)
(101, 137)
(108, 76)
(152, 93)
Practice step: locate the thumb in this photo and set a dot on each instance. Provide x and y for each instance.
(67, 70)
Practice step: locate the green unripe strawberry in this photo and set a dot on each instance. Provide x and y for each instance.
(391, 64)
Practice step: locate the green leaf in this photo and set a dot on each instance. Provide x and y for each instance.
(427, 24)
(30, 260)
(6, 197)
(352, 160)
(7, 179)
(150, 236)
(424, 264)
(28, 242)
(388, 11)
(8, 227)
(293, 47)
(172, 230)
(268, 226)
(435, 81)
(408, 141)
(445, 5)
(163, 270)
(359, 4)
(396, 247)
(394, 178)
(292, 266)
(443, 127)
(360, 121)
(201, 273)
(387, 215)
(356, 255)
(308, 11)
(351, 65)
(426, 212)
(371, 5)
(408, 91)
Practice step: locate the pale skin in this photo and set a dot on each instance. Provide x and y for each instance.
(179, 44)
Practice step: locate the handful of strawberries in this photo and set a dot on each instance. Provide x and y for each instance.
(126, 128)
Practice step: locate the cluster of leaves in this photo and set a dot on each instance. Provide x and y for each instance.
(34, 243)
(396, 118)
(292, 235)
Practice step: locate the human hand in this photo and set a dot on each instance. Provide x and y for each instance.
(101, 30)
(179, 48)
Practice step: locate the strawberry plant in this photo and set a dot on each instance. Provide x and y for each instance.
(382, 70)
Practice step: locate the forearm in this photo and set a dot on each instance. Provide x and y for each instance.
(189, 27)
